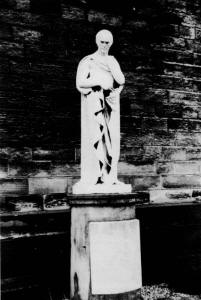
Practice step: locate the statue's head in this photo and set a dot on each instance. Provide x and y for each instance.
(104, 40)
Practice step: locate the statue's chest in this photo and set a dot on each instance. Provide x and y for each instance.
(99, 70)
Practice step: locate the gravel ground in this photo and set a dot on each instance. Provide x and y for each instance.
(162, 292)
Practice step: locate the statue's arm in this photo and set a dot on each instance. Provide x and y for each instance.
(83, 78)
(116, 70)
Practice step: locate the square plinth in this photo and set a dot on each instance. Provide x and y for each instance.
(115, 258)
(117, 188)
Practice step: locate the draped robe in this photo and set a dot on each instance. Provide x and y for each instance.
(100, 126)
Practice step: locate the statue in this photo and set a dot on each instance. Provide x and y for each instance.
(100, 81)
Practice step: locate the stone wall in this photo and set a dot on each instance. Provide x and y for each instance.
(158, 44)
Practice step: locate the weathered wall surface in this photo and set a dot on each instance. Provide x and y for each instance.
(158, 44)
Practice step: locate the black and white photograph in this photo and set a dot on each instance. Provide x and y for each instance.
(100, 149)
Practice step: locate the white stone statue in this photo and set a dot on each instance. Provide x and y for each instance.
(100, 81)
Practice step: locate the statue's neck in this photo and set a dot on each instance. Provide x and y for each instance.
(101, 54)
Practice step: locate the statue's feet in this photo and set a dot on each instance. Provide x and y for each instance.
(116, 187)
(117, 182)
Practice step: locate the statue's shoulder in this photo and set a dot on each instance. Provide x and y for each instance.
(112, 58)
(86, 60)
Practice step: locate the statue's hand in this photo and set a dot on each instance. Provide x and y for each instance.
(119, 89)
(113, 96)
(115, 92)
(115, 69)
(111, 62)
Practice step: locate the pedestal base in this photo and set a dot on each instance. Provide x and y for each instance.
(105, 246)
(117, 188)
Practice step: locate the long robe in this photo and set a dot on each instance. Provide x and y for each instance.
(100, 127)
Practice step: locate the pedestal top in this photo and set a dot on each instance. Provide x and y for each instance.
(108, 199)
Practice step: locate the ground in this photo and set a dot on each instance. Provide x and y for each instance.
(162, 292)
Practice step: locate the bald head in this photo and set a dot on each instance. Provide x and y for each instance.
(105, 35)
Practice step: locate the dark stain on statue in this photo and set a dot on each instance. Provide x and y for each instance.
(76, 295)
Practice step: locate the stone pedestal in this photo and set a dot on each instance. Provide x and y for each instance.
(105, 247)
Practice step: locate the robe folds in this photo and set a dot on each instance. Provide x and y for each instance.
(100, 126)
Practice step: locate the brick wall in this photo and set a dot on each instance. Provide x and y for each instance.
(158, 44)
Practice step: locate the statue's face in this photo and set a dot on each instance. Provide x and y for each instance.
(104, 42)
